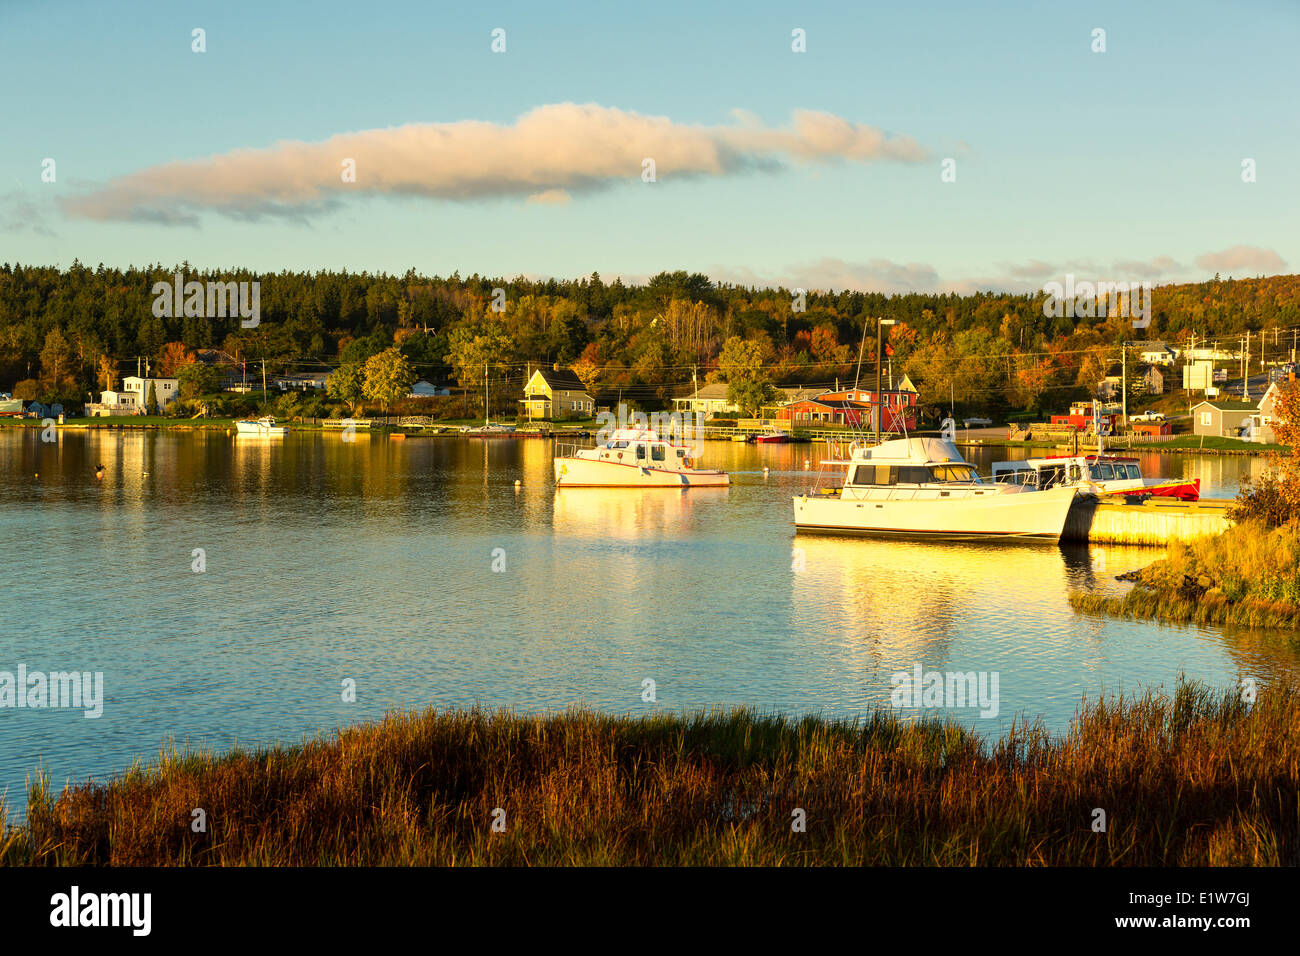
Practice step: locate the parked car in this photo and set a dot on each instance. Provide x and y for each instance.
(976, 422)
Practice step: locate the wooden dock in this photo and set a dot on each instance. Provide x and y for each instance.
(1157, 521)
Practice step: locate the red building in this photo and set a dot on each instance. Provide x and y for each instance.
(1151, 428)
(855, 407)
(1081, 417)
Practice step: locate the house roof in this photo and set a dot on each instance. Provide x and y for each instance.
(714, 391)
(835, 403)
(795, 393)
(561, 378)
(215, 357)
(1230, 406)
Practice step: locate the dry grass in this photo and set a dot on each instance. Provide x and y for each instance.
(1196, 779)
(1248, 576)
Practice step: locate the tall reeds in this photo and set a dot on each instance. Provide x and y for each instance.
(1192, 779)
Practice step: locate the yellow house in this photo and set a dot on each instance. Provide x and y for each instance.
(556, 393)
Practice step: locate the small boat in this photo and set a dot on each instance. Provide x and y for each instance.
(633, 458)
(1094, 474)
(922, 487)
(770, 436)
(487, 430)
(264, 427)
(741, 439)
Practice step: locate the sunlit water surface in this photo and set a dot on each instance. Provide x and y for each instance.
(374, 561)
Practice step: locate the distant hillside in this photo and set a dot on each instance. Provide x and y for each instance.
(62, 332)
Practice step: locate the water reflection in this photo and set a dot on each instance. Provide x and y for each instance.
(373, 559)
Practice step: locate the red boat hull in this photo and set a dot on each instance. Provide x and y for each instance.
(1182, 490)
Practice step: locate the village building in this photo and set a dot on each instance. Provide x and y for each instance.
(1157, 353)
(1224, 419)
(554, 393)
(710, 400)
(423, 389)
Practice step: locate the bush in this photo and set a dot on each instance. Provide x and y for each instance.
(1264, 499)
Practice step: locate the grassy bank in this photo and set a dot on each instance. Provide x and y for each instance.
(1196, 779)
(1247, 576)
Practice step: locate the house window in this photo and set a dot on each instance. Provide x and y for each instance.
(1207, 418)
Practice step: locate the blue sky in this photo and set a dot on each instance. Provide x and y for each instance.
(1124, 164)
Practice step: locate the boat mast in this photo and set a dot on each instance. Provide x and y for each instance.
(487, 408)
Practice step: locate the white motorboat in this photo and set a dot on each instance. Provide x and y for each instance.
(922, 487)
(264, 427)
(1094, 474)
(633, 458)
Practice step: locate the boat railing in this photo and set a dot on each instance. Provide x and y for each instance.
(571, 449)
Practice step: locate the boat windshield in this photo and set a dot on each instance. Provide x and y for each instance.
(954, 473)
(913, 474)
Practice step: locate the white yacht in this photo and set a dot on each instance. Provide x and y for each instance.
(633, 458)
(922, 487)
(1094, 474)
(263, 427)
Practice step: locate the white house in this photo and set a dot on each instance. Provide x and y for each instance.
(423, 389)
(1157, 353)
(135, 391)
(707, 401)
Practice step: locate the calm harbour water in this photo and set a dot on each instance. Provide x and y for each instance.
(373, 561)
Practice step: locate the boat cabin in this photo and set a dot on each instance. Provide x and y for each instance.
(640, 446)
(909, 461)
(1054, 472)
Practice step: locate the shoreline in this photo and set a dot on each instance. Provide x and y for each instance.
(452, 430)
(1205, 780)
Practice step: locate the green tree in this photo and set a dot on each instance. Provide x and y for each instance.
(151, 400)
(388, 377)
(348, 385)
(197, 379)
(56, 361)
(741, 365)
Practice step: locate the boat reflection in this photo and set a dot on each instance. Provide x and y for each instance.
(633, 513)
(896, 602)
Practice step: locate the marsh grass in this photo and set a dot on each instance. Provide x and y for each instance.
(1249, 576)
(1192, 779)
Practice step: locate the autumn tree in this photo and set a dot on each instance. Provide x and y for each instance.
(388, 377)
(173, 356)
(106, 369)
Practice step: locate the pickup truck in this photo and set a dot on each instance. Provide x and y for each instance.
(1147, 417)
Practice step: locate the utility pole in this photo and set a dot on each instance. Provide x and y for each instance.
(1123, 381)
(1245, 379)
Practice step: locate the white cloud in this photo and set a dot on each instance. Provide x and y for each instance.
(1238, 259)
(561, 147)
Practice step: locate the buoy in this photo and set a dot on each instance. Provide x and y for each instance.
(518, 484)
(764, 472)
(805, 464)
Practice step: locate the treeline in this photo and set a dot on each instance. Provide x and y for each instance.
(66, 332)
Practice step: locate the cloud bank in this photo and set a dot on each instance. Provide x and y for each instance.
(549, 153)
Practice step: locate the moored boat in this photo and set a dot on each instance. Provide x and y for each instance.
(922, 487)
(264, 427)
(1094, 474)
(633, 458)
(772, 436)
